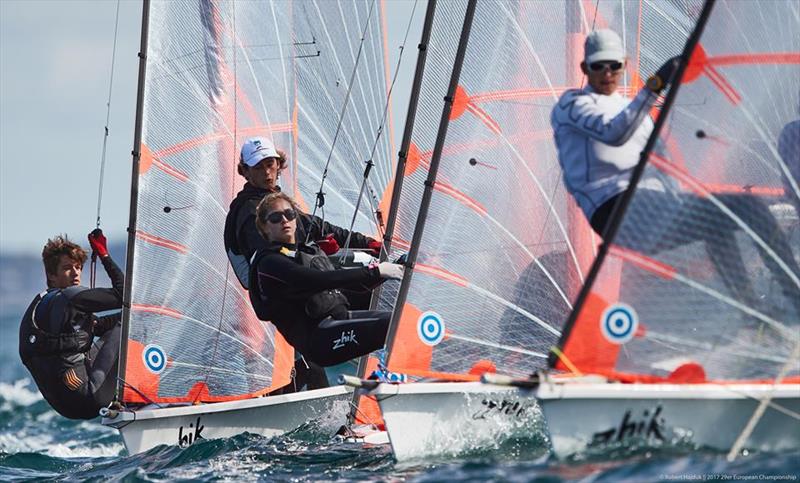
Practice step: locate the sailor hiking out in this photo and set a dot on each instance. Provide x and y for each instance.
(600, 136)
(297, 288)
(76, 375)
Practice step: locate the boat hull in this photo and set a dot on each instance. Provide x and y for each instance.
(426, 420)
(583, 417)
(267, 416)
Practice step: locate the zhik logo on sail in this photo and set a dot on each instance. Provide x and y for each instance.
(344, 339)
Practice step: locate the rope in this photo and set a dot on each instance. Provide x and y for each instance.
(378, 137)
(762, 407)
(108, 117)
(320, 195)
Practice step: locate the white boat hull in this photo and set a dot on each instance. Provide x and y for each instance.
(447, 419)
(584, 416)
(267, 416)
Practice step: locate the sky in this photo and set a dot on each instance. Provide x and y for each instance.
(55, 69)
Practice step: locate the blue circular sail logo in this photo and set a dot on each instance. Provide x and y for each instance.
(154, 358)
(619, 323)
(430, 328)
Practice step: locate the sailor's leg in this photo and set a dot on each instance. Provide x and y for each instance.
(720, 244)
(754, 213)
(103, 369)
(336, 341)
(309, 374)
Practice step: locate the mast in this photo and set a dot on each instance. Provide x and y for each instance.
(407, 131)
(619, 212)
(137, 141)
(400, 170)
(430, 181)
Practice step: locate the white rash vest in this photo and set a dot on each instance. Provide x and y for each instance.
(599, 140)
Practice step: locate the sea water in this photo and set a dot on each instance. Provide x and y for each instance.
(37, 443)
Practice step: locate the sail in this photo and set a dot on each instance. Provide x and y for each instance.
(701, 282)
(505, 249)
(217, 73)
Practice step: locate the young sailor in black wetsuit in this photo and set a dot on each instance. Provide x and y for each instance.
(296, 287)
(76, 376)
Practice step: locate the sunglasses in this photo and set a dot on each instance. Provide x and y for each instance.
(612, 65)
(278, 216)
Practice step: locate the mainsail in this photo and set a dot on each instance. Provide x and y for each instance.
(505, 249)
(706, 287)
(217, 73)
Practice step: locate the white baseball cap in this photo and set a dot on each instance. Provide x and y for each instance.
(603, 44)
(256, 149)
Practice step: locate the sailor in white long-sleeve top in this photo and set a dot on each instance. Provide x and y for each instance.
(600, 136)
(598, 132)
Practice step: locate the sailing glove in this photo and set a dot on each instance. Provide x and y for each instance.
(98, 243)
(376, 247)
(329, 245)
(658, 81)
(391, 270)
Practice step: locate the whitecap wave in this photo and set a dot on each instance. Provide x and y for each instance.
(25, 442)
(18, 394)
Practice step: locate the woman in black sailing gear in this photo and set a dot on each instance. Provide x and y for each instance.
(296, 287)
(74, 374)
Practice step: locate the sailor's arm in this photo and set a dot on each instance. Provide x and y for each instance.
(579, 112)
(314, 223)
(283, 272)
(115, 274)
(105, 323)
(100, 299)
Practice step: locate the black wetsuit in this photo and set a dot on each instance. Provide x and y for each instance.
(296, 288)
(76, 376)
(242, 238)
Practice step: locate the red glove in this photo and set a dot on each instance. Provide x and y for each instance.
(98, 243)
(329, 245)
(376, 247)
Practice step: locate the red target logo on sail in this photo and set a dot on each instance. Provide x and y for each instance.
(154, 358)
(619, 323)
(430, 328)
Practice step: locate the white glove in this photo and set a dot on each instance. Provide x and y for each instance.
(391, 270)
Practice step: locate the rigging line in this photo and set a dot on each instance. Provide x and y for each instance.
(596, 9)
(759, 412)
(378, 136)
(320, 194)
(487, 343)
(108, 117)
(209, 368)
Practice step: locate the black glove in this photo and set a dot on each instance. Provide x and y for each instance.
(658, 81)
